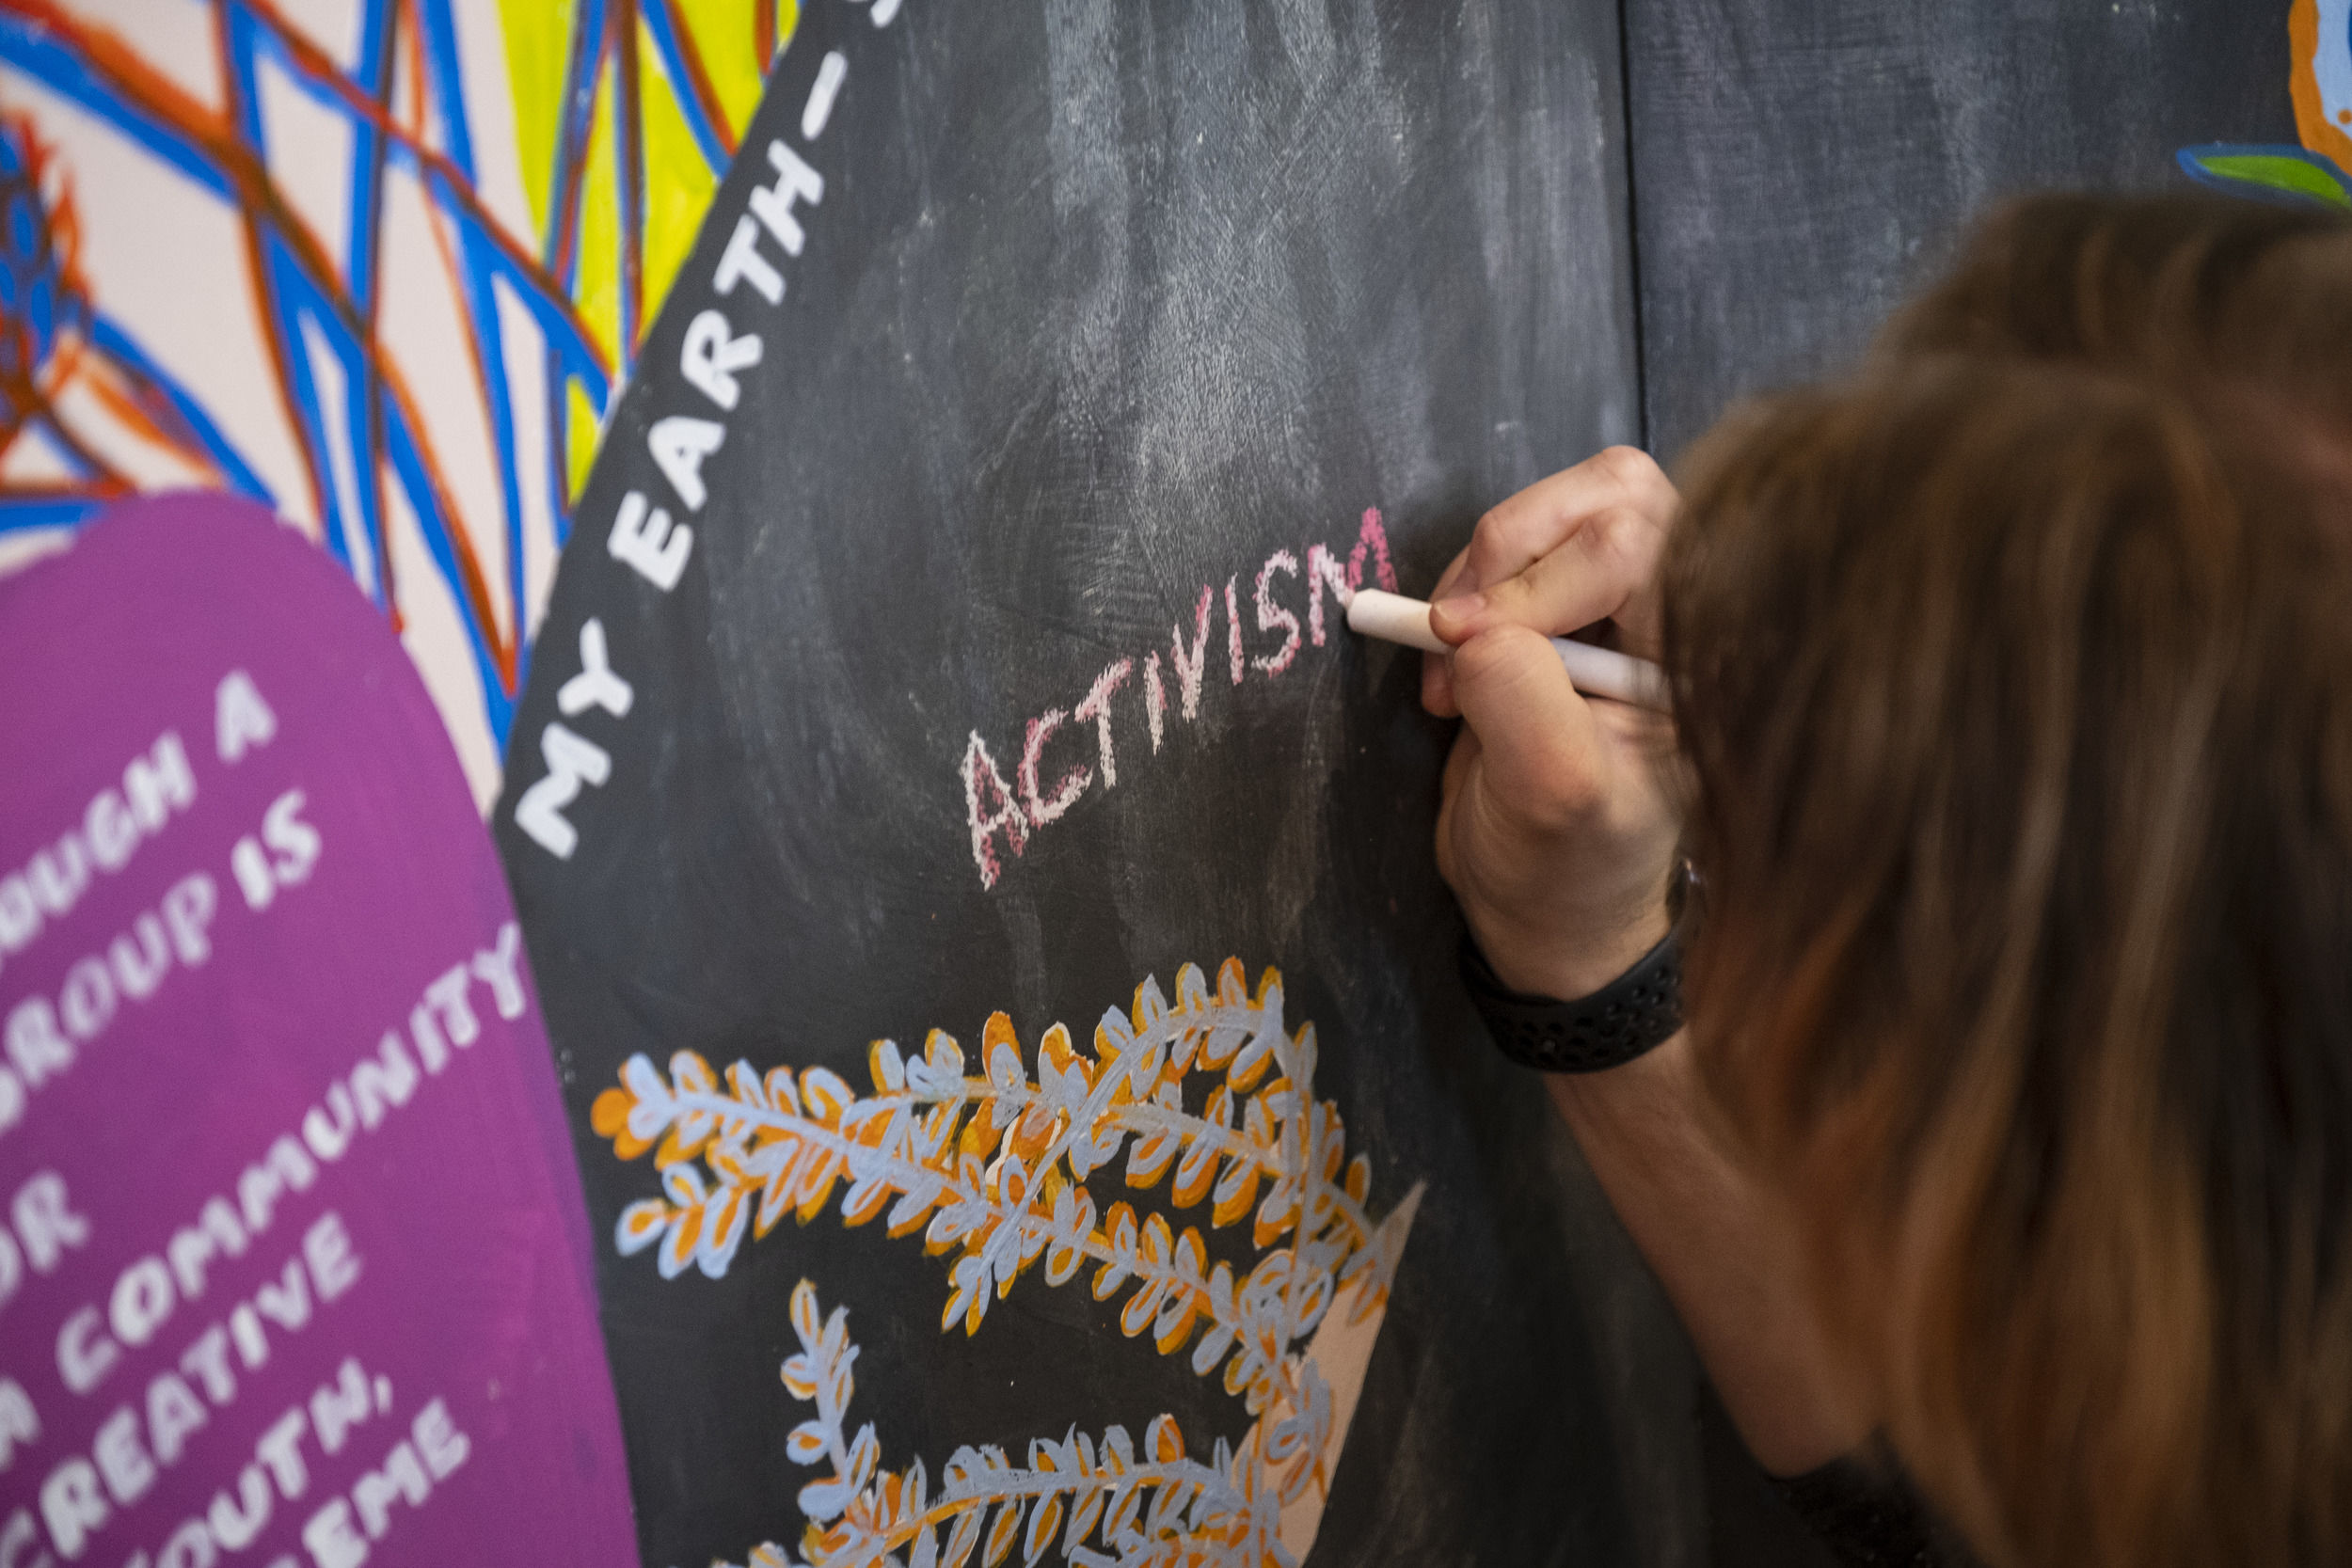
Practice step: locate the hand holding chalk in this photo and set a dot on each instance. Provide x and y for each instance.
(1596, 672)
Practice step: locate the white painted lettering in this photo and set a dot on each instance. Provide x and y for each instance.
(773, 204)
(596, 686)
(644, 538)
(241, 719)
(711, 355)
(572, 760)
(742, 261)
(678, 444)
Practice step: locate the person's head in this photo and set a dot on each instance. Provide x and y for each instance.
(2015, 674)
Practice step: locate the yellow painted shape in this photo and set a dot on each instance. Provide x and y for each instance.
(596, 277)
(538, 38)
(678, 181)
(580, 439)
(726, 37)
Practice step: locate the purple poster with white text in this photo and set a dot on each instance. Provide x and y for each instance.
(294, 1265)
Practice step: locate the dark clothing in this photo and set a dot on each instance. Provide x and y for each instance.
(1871, 1518)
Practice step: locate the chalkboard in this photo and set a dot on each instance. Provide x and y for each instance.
(968, 644)
(1802, 165)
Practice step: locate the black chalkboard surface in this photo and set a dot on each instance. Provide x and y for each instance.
(1799, 165)
(952, 631)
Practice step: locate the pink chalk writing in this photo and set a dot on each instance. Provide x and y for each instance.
(1097, 707)
(1188, 665)
(1155, 705)
(991, 808)
(1233, 631)
(1003, 817)
(1272, 616)
(1073, 783)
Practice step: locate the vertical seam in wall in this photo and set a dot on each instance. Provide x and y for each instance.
(1632, 225)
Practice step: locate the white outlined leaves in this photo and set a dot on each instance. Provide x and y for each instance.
(1207, 1100)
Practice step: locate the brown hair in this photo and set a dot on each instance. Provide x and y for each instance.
(2015, 675)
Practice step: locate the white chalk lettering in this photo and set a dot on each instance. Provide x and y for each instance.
(1273, 617)
(114, 824)
(711, 356)
(1043, 809)
(44, 1039)
(72, 1506)
(338, 1535)
(742, 261)
(678, 444)
(1097, 707)
(988, 805)
(572, 760)
(1189, 666)
(282, 856)
(596, 686)
(241, 719)
(1155, 699)
(831, 71)
(501, 968)
(773, 204)
(20, 1423)
(644, 538)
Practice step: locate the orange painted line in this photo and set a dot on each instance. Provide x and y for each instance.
(317, 64)
(698, 81)
(121, 66)
(629, 161)
(576, 166)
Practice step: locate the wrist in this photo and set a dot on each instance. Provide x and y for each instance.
(1571, 965)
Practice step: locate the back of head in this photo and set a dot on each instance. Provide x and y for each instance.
(2016, 674)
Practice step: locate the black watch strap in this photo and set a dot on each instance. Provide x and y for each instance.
(1639, 1010)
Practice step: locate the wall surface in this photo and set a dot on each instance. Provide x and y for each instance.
(1799, 165)
(1001, 672)
(989, 408)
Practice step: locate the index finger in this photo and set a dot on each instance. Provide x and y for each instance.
(1532, 524)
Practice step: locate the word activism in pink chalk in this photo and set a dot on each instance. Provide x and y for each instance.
(997, 810)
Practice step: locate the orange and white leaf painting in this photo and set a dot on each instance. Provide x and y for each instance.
(989, 1159)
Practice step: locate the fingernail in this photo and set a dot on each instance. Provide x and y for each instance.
(1459, 609)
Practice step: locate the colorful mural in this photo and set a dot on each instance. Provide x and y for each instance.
(2320, 170)
(995, 1168)
(380, 264)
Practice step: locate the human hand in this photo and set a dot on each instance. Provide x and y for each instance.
(1557, 828)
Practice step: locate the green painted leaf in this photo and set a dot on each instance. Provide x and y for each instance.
(2293, 176)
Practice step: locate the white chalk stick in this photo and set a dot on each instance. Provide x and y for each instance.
(1393, 618)
(1596, 672)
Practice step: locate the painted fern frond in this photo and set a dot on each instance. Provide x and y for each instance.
(991, 1166)
(1105, 1503)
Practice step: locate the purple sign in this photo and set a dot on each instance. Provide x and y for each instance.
(294, 1267)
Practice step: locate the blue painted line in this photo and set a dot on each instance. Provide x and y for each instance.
(579, 98)
(246, 39)
(490, 344)
(665, 41)
(286, 293)
(110, 337)
(448, 85)
(367, 180)
(408, 462)
(22, 514)
(64, 450)
(52, 61)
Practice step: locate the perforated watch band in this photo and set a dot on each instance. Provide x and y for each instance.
(1637, 1010)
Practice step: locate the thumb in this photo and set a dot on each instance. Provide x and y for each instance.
(1539, 745)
